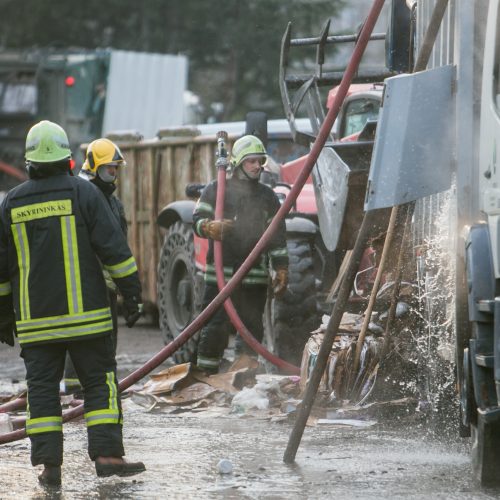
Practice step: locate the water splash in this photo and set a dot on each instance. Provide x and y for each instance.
(435, 333)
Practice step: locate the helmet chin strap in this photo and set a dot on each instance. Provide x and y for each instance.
(240, 170)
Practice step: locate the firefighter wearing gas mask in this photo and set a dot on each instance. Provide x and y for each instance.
(103, 161)
(249, 207)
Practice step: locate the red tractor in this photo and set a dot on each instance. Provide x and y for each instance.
(313, 266)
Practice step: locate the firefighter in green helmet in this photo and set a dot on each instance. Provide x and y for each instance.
(249, 207)
(55, 231)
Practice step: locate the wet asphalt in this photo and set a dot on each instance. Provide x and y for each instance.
(395, 459)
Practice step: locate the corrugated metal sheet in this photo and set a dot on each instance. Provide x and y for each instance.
(145, 92)
(428, 209)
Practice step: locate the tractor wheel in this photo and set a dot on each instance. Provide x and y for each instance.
(296, 314)
(180, 289)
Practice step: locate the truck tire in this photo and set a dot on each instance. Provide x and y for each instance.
(485, 448)
(296, 314)
(180, 289)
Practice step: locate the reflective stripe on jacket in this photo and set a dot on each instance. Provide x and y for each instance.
(251, 205)
(54, 232)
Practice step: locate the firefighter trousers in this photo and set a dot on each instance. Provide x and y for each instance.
(95, 366)
(71, 382)
(249, 302)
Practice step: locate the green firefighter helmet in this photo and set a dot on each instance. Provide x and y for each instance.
(47, 142)
(247, 146)
(99, 153)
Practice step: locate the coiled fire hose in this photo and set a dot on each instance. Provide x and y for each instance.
(207, 313)
(219, 266)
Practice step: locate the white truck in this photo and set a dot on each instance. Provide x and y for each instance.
(439, 131)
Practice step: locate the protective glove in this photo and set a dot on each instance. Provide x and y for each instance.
(216, 229)
(133, 309)
(280, 282)
(7, 327)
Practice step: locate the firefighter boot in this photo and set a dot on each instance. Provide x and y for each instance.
(51, 476)
(116, 466)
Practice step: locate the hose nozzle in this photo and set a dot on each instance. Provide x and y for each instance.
(221, 149)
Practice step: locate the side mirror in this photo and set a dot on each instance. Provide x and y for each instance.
(400, 34)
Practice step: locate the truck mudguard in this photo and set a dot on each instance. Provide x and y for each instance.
(178, 210)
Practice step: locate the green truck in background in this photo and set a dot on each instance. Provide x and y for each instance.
(89, 93)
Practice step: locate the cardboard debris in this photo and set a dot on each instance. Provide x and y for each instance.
(187, 389)
(147, 401)
(230, 382)
(167, 380)
(244, 361)
(191, 394)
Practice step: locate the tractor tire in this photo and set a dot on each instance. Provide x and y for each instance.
(295, 315)
(180, 289)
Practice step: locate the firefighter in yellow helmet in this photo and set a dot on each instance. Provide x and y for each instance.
(55, 230)
(103, 161)
(249, 207)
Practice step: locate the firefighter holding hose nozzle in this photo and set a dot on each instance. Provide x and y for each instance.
(249, 207)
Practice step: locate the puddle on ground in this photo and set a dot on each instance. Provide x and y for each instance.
(181, 454)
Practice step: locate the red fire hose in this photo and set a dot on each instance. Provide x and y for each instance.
(20, 403)
(16, 404)
(205, 315)
(219, 269)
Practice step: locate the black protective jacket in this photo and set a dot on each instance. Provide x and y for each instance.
(251, 205)
(116, 205)
(54, 234)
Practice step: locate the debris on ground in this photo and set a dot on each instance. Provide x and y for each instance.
(225, 466)
(10, 390)
(339, 381)
(6, 424)
(242, 390)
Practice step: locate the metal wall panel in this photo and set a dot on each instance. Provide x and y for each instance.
(415, 139)
(429, 208)
(145, 92)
